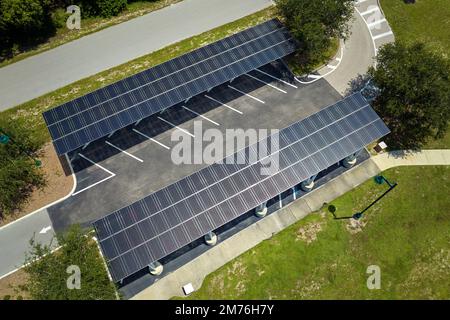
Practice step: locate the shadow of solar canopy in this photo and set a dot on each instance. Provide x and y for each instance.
(171, 218)
(127, 101)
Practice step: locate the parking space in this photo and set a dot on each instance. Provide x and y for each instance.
(376, 22)
(133, 162)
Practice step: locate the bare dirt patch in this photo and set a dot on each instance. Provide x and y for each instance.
(58, 185)
(308, 233)
(9, 286)
(354, 226)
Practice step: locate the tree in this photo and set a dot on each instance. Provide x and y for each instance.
(314, 23)
(18, 173)
(414, 93)
(24, 23)
(48, 272)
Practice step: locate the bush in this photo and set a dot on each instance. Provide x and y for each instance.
(23, 23)
(109, 8)
(47, 272)
(18, 173)
(103, 8)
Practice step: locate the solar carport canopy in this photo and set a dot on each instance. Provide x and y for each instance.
(165, 221)
(120, 104)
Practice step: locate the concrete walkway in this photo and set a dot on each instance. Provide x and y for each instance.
(195, 271)
(417, 158)
(78, 59)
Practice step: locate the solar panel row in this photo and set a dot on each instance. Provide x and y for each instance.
(150, 229)
(162, 70)
(195, 73)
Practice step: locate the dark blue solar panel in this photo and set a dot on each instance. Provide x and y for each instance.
(219, 193)
(108, 109)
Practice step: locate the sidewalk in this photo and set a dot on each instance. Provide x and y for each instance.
(195, 271)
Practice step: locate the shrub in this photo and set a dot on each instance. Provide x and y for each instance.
(103, 8)
(47, 272)
(18, 173)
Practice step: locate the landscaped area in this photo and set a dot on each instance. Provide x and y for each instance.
(426, 21)
(407, 234)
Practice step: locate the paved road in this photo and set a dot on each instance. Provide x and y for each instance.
(53, 69)
(14, 239)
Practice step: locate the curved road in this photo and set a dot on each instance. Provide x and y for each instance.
(32, 77)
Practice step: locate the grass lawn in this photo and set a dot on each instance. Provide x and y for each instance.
(91, 25)
(407, 235)
(427, 21)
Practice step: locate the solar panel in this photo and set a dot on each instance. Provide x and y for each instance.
(135, 236)
(106, 110)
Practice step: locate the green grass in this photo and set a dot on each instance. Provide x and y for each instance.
(90, 25)
(427, 21)
(407, 235)
(30, 113)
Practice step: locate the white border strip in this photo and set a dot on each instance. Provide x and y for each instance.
(200, 115)
(175, 126)
(112, 175)
(224, 104)
(245, 93)
(333, 68)
(273, 77)
(126, 152)
(266, 83)
(150, 138)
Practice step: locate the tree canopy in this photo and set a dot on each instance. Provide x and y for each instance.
(414, 93)
(48, 272)
(18, 172)
(314, 23)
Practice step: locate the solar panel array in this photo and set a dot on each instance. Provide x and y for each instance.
(113, 107)
(165, 221)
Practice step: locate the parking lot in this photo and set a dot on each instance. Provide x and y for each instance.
(133, 162)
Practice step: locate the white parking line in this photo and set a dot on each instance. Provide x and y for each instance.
(175, 126)
(224, 104)
(378, 36)
(281, 80)
(269, 84)
(244, 93)
(200, 115)
(373, 24)
(150, 138)
(370, 11)
(98, 182)
(121, 150)
(314, 76)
